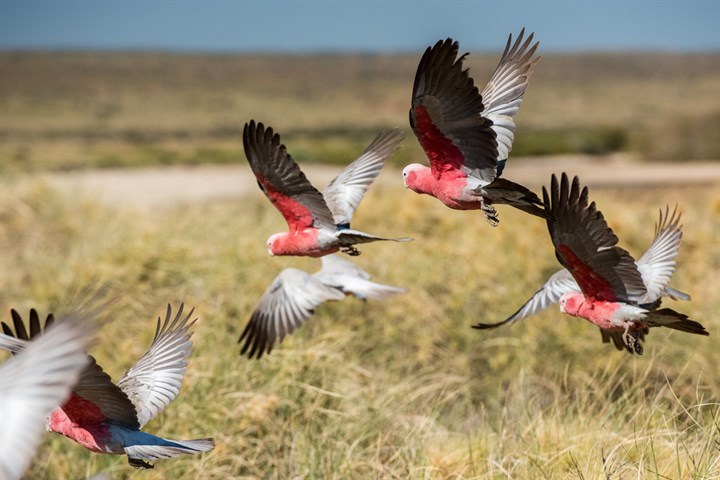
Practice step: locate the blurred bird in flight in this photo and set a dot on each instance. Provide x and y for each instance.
(294, 294)
(319, 223)
(107, 418)
(467, 135)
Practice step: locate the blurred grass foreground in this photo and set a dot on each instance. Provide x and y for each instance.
(397, 389)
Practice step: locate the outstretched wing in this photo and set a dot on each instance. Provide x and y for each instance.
(341, 273)
(286, 304)
(282, 181)
(344, 192)
(658, 263)
(445, 115)
(33, 383)
(94, 398)
(560, 283)
(503, 93)
(587, 247)
(155, 380)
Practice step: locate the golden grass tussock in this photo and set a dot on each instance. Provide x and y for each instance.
(402, 388)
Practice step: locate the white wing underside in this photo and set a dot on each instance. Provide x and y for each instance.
(155, 380)
(344, 192)
(658, 263)
(503, 94)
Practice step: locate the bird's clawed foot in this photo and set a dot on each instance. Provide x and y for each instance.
(491, 214)
(631, 341)
(350, 250)
(139, 464)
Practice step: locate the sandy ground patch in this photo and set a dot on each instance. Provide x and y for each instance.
(167, 186)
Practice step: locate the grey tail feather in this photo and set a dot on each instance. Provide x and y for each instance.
(669, 318)
(172, 448)
(676, 294)
(499, 192)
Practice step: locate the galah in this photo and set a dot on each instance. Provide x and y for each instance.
(294, 294)
(467, 135)
(656, 267)
(34, 382)
(107, 418)
(319, 223)
(612, 287)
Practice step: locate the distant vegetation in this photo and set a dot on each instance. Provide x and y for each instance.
(62, 110)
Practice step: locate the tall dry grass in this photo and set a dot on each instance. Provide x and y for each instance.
(398, 389)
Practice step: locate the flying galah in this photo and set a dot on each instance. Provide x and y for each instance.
(294, 294)
(612, 289)
(319, 223)
(466, 135)
(656, 267)
(34, 382)
(107, 418)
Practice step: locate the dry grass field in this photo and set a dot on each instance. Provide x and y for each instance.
(397, 389)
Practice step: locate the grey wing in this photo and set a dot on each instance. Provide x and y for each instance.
(288, 302)
(353, 280)
(33, 383)
(658, 263)
(503, 94)
(282, 181)
(155, 380)
(344, 192)
(560, 283)
(587, 247)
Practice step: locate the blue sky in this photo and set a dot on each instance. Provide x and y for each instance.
(368, 26)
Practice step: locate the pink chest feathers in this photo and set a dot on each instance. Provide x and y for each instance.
(303, 242)
(600, 313)
(94, 436)
(449, 188)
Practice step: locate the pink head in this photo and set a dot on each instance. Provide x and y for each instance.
(571, 303)
(274, 243)
(410, 175)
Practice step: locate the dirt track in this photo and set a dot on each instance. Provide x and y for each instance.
(165, 186)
